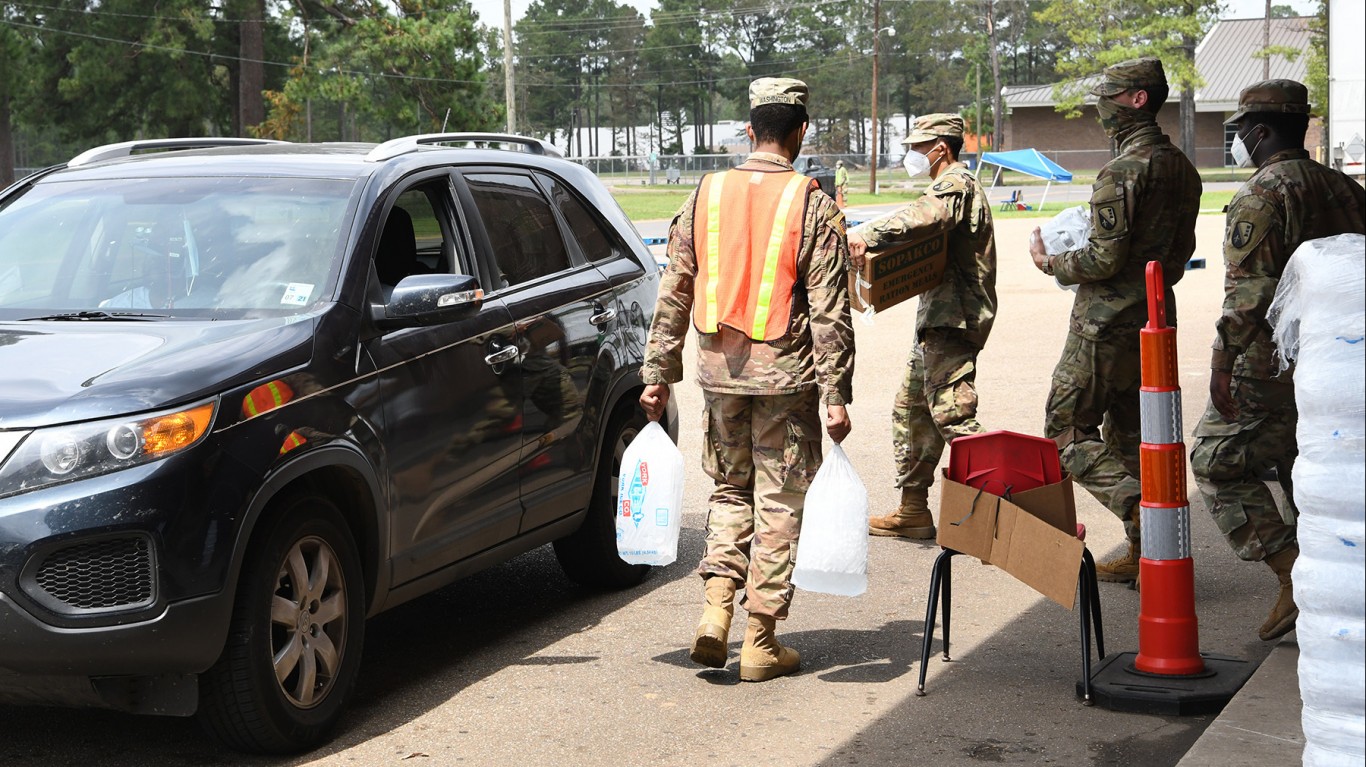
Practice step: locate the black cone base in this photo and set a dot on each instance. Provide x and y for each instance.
(1117, 686)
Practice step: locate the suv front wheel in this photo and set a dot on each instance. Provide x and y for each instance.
(294, 646)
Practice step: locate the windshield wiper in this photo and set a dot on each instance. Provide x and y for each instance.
(96, 315)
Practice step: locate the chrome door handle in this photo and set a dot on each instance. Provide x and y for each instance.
(603, 317)
(505, 354)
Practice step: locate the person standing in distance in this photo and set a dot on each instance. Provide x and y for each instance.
(1143, 208)
(757, 264)
(937, 400)
(841, 183)
(1249, 425)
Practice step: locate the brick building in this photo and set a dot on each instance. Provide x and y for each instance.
(1224, 60)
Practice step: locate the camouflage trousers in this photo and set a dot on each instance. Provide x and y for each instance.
(1229, 457)
(1092, 413)
(937, 402)
(762, 451)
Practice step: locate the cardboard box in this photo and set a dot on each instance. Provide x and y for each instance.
(892, 275)
(1032, 535)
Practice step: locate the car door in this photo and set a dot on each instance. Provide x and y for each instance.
(563, 314)
(452, 397)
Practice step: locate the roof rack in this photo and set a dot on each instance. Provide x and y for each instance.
(406, 144)
(126, 148)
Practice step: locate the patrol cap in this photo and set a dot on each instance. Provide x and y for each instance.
(1285, 96)
(931, 127)
(778, 90)
(1134, 73)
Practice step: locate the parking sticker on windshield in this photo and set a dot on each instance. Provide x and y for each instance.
(296, 294)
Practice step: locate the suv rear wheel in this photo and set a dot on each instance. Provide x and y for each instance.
(589, 555)
(294, 646)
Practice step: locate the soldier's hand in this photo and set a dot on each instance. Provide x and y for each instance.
(1221, 394)
(1036, 250)
(858, 249)
(837, 422)
(654, 400)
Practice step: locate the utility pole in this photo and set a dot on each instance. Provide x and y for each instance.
(977, 127)
(509, 91)
(1266, 42)
(877, 29)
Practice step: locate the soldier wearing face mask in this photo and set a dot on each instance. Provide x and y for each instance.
(1250, 423)
(937, 400)
(1143, 208)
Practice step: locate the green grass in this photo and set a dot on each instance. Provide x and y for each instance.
(652, 203)
(662, 204)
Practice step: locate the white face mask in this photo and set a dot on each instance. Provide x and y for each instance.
(1241, 154)
(915, 163)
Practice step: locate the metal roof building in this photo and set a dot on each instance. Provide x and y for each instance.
(1224, 59)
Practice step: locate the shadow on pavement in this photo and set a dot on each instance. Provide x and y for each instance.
(417, 656)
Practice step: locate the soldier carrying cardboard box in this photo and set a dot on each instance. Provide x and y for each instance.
(937, 400)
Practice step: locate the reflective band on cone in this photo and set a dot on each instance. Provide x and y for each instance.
(1168, 631)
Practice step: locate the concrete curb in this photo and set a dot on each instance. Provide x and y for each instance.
(1261, 725)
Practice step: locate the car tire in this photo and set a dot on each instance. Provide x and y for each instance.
(588, 556)
(257, 697)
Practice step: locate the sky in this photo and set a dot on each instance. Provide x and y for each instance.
(491, 11)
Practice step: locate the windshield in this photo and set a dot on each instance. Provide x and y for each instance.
(206, 248)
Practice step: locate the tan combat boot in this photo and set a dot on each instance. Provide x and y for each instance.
(912, 518)
(709, 646)
(1124, 567)
(1284, 613)
(762, 658)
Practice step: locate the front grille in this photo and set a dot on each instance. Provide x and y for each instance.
(111, 573)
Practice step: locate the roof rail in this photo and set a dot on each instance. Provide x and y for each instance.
(406, 144)
(126, 148)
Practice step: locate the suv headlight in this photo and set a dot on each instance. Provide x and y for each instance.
(63, 453)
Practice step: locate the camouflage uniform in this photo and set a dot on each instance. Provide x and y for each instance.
(1143, 207)
(937, 400)
(762, 421)
(1289, 200)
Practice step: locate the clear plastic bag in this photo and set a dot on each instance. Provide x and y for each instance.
(832, 553)
(650, 499)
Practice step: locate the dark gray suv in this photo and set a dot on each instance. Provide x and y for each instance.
(253, 392)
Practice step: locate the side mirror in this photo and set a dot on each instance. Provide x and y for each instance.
(428, 299)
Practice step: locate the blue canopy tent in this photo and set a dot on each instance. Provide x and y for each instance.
(1027, 161)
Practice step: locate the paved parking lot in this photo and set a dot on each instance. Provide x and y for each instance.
(517, 666)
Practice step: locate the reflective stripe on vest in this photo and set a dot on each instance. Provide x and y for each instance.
(747, 232)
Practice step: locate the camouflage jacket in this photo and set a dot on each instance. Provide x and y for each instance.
(966, 299)
(1143, 208)
(1289, 200)
(819, 345)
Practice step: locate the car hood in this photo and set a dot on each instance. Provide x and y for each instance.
(63, 372)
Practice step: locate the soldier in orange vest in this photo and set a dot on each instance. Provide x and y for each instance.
(757, 264)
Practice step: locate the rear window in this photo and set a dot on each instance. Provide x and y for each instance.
(180, 247)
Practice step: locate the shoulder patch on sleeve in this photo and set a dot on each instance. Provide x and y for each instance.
(839, 222)
(1250, 219)
(1108, 208)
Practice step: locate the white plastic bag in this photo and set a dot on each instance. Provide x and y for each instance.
(832, 552)
(650, 499)
(1067, 231)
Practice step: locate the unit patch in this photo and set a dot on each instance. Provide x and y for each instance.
(1241, 234)
(1107, 217)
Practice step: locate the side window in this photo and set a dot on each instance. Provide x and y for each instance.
(593, 239)
(416, 238)
(521, 227)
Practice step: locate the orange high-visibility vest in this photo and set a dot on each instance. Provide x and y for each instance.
(747, 234)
